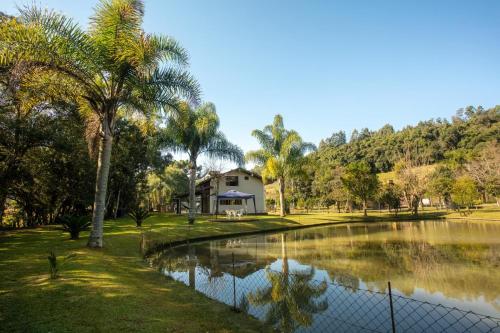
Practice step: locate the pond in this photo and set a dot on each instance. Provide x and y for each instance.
(336, 277)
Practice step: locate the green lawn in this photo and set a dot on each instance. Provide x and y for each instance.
(114, 290)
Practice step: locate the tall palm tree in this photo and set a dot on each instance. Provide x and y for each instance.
(281, 153)
(114, 68)
(196, 132)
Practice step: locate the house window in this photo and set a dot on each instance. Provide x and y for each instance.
(228, 202)
(246, 178)
(231, 180)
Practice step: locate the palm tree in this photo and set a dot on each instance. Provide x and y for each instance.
(292, 297)
(196, 132)
(281, 153)
(114, 68)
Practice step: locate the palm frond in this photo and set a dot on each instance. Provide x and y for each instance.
(116, 23)
(170, 82)
(264, 139)
(257, 156)
(219, 147)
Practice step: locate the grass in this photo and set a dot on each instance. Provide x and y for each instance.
(113, 289)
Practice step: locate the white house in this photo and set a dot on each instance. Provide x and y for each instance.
(239, 180)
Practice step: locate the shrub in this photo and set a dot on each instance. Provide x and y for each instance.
(75, 224)
(54, 266)
(139, 214)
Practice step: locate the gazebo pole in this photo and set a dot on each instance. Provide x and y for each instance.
(254, 206)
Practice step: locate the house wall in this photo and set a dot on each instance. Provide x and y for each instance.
(252, 185)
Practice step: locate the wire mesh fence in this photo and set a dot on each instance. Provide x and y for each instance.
(296, 301)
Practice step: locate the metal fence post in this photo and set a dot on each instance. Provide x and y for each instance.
(234, 286)
(392, 308)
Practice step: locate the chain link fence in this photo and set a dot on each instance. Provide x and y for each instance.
(296, 301)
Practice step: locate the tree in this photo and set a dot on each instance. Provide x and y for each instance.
(281, 153)
(441, 183)
(115, 68)
(164, 185)
(413, 182)
(196, 132)
(485, 170)
(360, 182)
(390, 195)
(464, 192)
(337, 139)
(327, 185)
(44, 165)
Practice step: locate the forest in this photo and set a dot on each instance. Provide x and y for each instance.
(437, 159)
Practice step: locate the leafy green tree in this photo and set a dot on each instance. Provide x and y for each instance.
(390, 195)
(114, 68)
(464, 192)
(360, 182)
(485, 170)
(414, 184)
(136, 152)
(164, 185)
(44, 165)
(337, 139)
(441, 183)
(299, 183)
(281, 154)
(328, 187)
(196, 132)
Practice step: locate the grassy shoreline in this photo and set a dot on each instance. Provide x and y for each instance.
(113, 289)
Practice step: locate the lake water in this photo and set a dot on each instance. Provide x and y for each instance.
(335, 277)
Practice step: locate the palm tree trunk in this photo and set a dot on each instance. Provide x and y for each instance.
(284, 255)
(281, 184)
(96, 235)
(192, 191)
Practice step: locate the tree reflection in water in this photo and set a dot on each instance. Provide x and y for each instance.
(292, 298)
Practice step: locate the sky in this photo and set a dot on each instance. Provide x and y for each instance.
(328, 65)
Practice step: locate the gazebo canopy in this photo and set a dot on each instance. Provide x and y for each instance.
(232, 194)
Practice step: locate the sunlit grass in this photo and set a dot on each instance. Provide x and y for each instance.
(100, 290)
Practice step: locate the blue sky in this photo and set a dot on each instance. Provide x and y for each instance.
(329, 65)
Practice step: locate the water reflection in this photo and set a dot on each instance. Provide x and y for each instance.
(456, 264)
(292, 299)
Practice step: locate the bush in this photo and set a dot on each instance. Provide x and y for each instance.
(75, 224)
(54, 266)
(139, 214)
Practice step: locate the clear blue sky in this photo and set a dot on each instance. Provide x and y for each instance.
(329, 65)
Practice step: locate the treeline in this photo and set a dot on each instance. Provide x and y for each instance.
(429, 141)
(48, 157)
(452, 164)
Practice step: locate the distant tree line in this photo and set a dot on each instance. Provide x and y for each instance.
(453, 164)
(429, 141)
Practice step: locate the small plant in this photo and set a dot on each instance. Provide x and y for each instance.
(75, 224)
(54, 266)
(139, 214)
